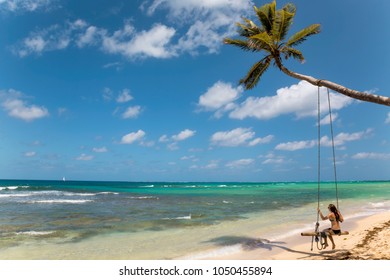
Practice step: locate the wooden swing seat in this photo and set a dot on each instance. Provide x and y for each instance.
(319, 233)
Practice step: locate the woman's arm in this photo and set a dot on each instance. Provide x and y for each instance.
(322, 216)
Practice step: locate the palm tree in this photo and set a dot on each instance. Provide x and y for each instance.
(270, 38)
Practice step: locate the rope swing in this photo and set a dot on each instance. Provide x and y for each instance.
(316, 235)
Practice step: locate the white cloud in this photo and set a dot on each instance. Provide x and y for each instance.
(271, 158)
(151, 43)
(202, 26)
(376, 156)
(326, 120)
(213, 164)
(100, 150)
(16, 107)
(163, 138)
(90, 37)
(55, 37)
(296, 145)
(132, 112)
(24, 5)
(238, 137)
(155, 42)
(180, 8)
(209, 21)
(339, 140)
(183, 135)
(124, 96)
(388, 118)
(133, 137)
(30, 154)
(240, 163)
(84, 157)
(220, 98)
(260, 140)
(299, 99)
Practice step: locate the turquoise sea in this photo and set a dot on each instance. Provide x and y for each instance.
(167, 220)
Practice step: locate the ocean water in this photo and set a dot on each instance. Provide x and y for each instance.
(166, 220)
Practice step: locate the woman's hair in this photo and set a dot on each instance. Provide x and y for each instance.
(333, 209)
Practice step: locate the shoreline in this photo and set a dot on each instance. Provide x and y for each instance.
(368, 239)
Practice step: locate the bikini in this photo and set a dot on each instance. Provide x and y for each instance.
(335, 231)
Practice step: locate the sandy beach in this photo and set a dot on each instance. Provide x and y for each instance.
(368, 239)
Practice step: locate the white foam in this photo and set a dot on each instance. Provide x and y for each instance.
(79, 194)
(377, 204)
(35, 233)
(15, 195)
(64, 201)
(108, 193)
(144, 197)
(180, 218)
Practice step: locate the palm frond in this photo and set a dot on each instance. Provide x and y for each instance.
(266, 15)
(303, 34)
(254, 74)
(262, 41)
(249, 29)
(282, 22)
(291, 52)
(245, 45)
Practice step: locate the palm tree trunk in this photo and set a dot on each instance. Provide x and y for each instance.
(378, 99)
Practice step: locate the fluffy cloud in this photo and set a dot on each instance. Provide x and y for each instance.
(271, 158)
(388, 118)
(299, 99)
(132, 112)
(183, 135)
(30, 154)
(209, 21)
(24, 5)
(179, 8)
(172, 141)
(84, 157)
(238, 137)
(376, 156)
(16, 107)
(202, 25)
(220, 98)
(339, 140)
(133, 137)
(124, 96)
(148, 43)
(127, 41)
(295, 145)
(100, 150)
(55, 37)
(240, 163)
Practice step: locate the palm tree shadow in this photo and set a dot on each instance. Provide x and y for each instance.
(250, 244)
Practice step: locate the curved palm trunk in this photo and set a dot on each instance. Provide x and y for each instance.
(378, 99)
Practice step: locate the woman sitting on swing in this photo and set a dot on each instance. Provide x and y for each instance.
(335, 218)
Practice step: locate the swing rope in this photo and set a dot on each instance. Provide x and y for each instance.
(333, 150)
(318, 237)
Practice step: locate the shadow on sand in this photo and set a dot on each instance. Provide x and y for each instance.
(250, 244)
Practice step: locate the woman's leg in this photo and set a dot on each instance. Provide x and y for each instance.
(331, 239)
(324, 235)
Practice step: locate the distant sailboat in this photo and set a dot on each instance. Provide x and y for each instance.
(63, 179)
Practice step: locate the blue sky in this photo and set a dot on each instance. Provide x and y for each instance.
(145, 90)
